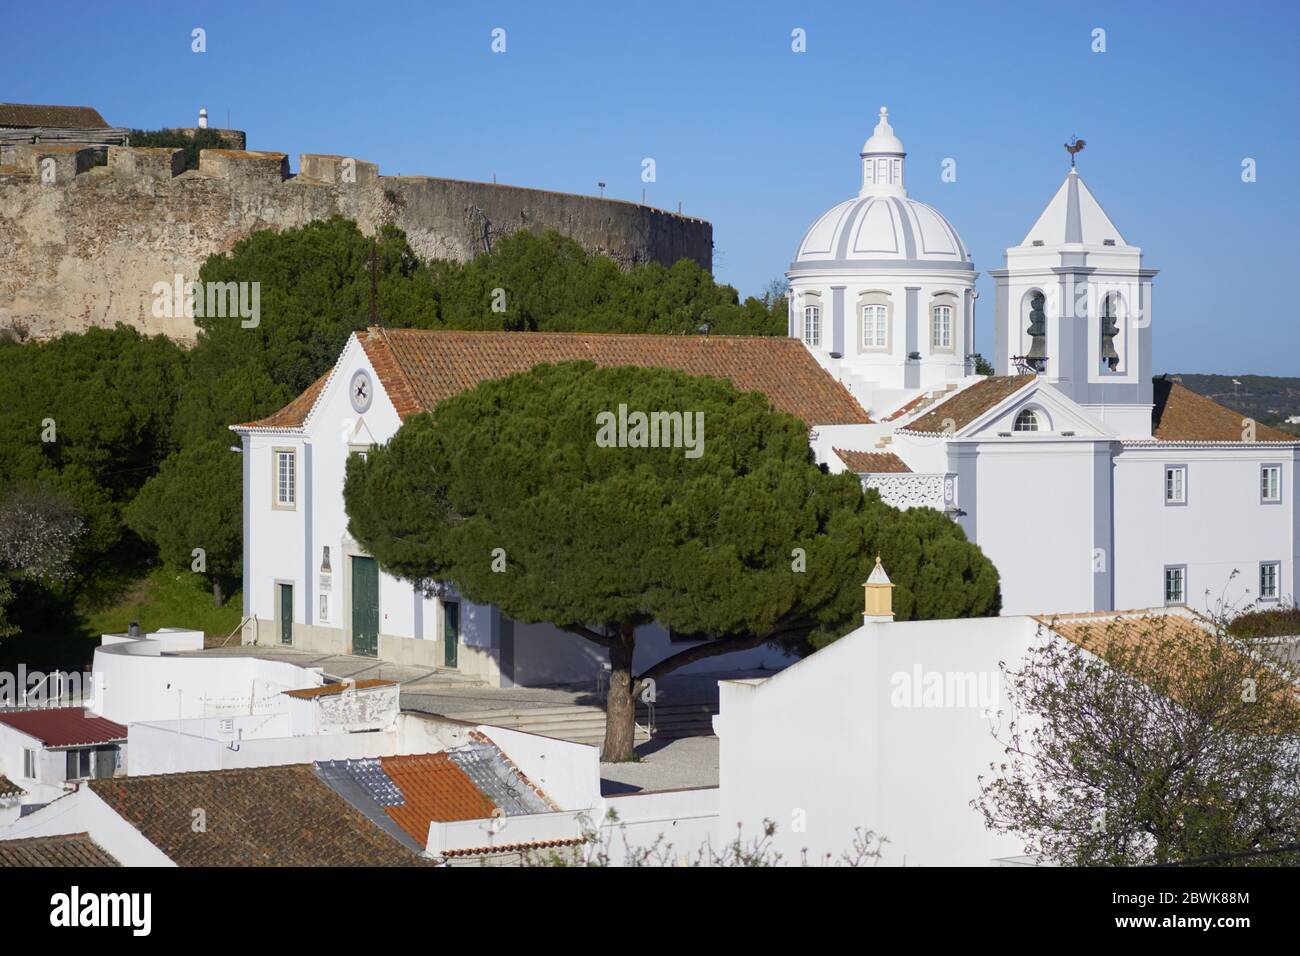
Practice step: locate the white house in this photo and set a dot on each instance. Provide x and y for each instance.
(309, 584)
(1089, 486)
(889, 730)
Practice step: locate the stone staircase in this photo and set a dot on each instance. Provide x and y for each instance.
(585, 724)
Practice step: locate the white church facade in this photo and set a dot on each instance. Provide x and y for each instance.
(1090, 487)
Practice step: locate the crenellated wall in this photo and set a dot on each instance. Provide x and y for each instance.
(83, 245)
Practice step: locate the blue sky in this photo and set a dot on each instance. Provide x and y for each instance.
(758, 139)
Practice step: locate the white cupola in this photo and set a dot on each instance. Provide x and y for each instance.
(882, 161)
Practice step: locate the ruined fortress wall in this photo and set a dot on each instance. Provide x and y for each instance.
(84, 245)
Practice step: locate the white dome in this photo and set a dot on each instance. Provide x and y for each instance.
(881, 227)
(882, 231)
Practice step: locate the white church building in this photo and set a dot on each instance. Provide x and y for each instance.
(1090, 487)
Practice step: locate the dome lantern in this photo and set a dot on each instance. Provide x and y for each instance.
(882, 161)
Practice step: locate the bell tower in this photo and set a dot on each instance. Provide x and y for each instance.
(1074, 306)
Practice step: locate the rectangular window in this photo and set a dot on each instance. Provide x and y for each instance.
(29, 763)
(1270, 576)
(875, 331)
(286, 478)
(1176, 584)
(1270, 484)
(941, 327)
(812, 325)
(1175, 484)
(324, 608)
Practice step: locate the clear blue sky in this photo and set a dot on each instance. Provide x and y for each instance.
(758, 139)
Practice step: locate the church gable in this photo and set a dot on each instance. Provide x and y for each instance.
(952, 416)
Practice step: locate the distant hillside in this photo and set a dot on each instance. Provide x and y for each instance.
(1268, 399)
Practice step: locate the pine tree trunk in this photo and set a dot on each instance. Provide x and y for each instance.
(620, 705)
(218, 598)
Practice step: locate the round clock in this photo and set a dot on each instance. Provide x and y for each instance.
(361, 390)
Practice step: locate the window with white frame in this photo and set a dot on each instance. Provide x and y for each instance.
(1175, 484)
(1270, 483)
(812, 324)
(29, 763)
(286, 478)
(875, 327)
(941, 327)
(1026, 421)
(1176, 584)
(1270, 578)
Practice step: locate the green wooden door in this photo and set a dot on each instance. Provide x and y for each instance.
(365, 607)
(286, 613)
(450, 632)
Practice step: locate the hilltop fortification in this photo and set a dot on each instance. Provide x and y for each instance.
(84, 244)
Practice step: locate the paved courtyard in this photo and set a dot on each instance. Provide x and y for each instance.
(665, 764)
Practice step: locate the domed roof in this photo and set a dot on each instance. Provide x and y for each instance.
(881, 228)
(882, 231)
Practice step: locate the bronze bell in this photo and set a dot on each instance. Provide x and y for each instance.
(1108, 332)
(1037, 356)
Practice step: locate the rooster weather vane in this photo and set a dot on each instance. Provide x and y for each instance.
(1073, 148)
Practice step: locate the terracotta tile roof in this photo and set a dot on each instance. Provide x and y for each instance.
(296, 412)
(262, 816)
(23, 115)
(1179, 414)
(64, 726)
(421, 367)
(970, 403)
(309, 693)
(871, 462)
(1145, 641)
(435, 789)
(10, 789)
(70, 849)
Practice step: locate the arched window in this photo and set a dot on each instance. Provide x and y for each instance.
(941, 327)
(812, 324)
(1027, 421)
(875, 326)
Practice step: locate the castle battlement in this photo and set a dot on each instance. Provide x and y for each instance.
(87, 231)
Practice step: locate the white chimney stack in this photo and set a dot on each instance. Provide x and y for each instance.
(203, 118)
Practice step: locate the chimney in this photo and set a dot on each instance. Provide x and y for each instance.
(203, 118)
(879, 607)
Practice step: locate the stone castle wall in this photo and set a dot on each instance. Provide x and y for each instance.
(83, 245)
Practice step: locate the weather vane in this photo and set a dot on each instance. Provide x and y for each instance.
(1073, 148)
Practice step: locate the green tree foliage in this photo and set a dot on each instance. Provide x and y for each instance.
(188, 506)
(504, 491)
(175, 139)
(89, 415)
(550, 283)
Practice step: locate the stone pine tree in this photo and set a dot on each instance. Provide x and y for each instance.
(1169, 744)
(512, 492)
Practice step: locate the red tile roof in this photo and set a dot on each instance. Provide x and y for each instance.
(435, 789)
(70, 849)
(1179, 414)
(258, 816)
(10, 789)
(65, 726)
(309, 693)
(969, 404)
(23, 115)
(421, 367)
(871, 462)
